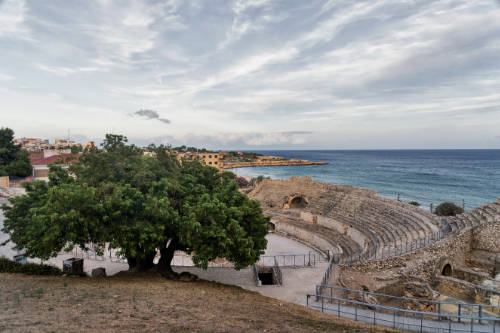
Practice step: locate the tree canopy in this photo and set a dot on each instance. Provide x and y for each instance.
(448, 209)
(13, 160)
(140, 205)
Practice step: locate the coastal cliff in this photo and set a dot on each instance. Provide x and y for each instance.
(259, 160)
(270, 163)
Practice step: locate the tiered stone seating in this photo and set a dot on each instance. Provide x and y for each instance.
(484, 214)
(391, 226)
(388, 226)
(348, 246)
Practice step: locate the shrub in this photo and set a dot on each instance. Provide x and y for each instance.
(414, 203)
(242, 182)
(10, 266)
(448, 209)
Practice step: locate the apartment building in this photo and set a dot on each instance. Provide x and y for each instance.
(210, 159)
(65, 143)
(32, 144)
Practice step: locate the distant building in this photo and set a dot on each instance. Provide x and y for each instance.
(149, 153)
(89, 144)
(60, 143)
(41, 162)
(210, 159)
(32, 144)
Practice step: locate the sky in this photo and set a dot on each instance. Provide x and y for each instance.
(255, 74)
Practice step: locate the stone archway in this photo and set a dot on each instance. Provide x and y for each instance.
(272, 226)
(444, 267)
(447, 270)
(298, 201)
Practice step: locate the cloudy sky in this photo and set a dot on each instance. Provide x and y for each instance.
(255, 74)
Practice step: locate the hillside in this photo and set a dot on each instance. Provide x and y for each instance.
(149, 303)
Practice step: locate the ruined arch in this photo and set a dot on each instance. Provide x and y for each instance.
(298, 201)
(447, 270)
(271, 226)
(444, 267)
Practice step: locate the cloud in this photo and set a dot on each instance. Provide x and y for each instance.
(250, 16)
(5, 77)
(150, 114)
(247, 139)
(255, 73)
(12, 18)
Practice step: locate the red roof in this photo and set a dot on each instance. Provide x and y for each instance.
(38, 159)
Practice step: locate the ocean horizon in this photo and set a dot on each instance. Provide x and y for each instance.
(428, 176)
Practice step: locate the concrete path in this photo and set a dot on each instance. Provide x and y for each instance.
(297, 282)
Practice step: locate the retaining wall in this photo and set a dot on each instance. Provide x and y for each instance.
(307, 237)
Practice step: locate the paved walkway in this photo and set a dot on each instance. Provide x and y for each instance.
(297, 282)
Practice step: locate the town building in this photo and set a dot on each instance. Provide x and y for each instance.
(60, 143)
(89, 145)
(41, 162)
(208, 158)
(32, 144)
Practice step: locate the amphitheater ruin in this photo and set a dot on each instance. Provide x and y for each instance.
(350, 245)
(389, 247)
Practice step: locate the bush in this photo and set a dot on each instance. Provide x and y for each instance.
(448, 209)
(414, 203)
(242, 182)
(10, 266)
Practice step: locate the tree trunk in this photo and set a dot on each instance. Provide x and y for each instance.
(165, 264)
(138, 264)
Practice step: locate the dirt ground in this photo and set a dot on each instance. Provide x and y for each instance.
(150, 303)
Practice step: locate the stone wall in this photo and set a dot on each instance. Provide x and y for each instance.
(487, 237)
(311, 239)
(425, 263)
(336, 225)
(467, 290)
(345, 229)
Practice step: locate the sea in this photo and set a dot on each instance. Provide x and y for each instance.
(466, 177)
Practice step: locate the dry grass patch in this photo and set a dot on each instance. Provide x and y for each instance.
(149, 303)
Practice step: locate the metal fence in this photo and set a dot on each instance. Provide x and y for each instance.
(286, 260)
(292, 260)
(277, 272)
(439, 307)
(385, 252)
(404, 319)
(90, 254)
(256, 275)
(389, 251)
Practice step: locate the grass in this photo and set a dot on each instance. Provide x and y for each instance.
(149, 303)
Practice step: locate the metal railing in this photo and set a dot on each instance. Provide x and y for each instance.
(385, 253)
(286, 260)
(277, 272)
(90, 254)
(256, 275)
(390, 251)
(440, 307)
(401, 318)
(326, 276)
(292, 260)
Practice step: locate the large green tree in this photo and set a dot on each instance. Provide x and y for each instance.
(143, 205)
(13, 160)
